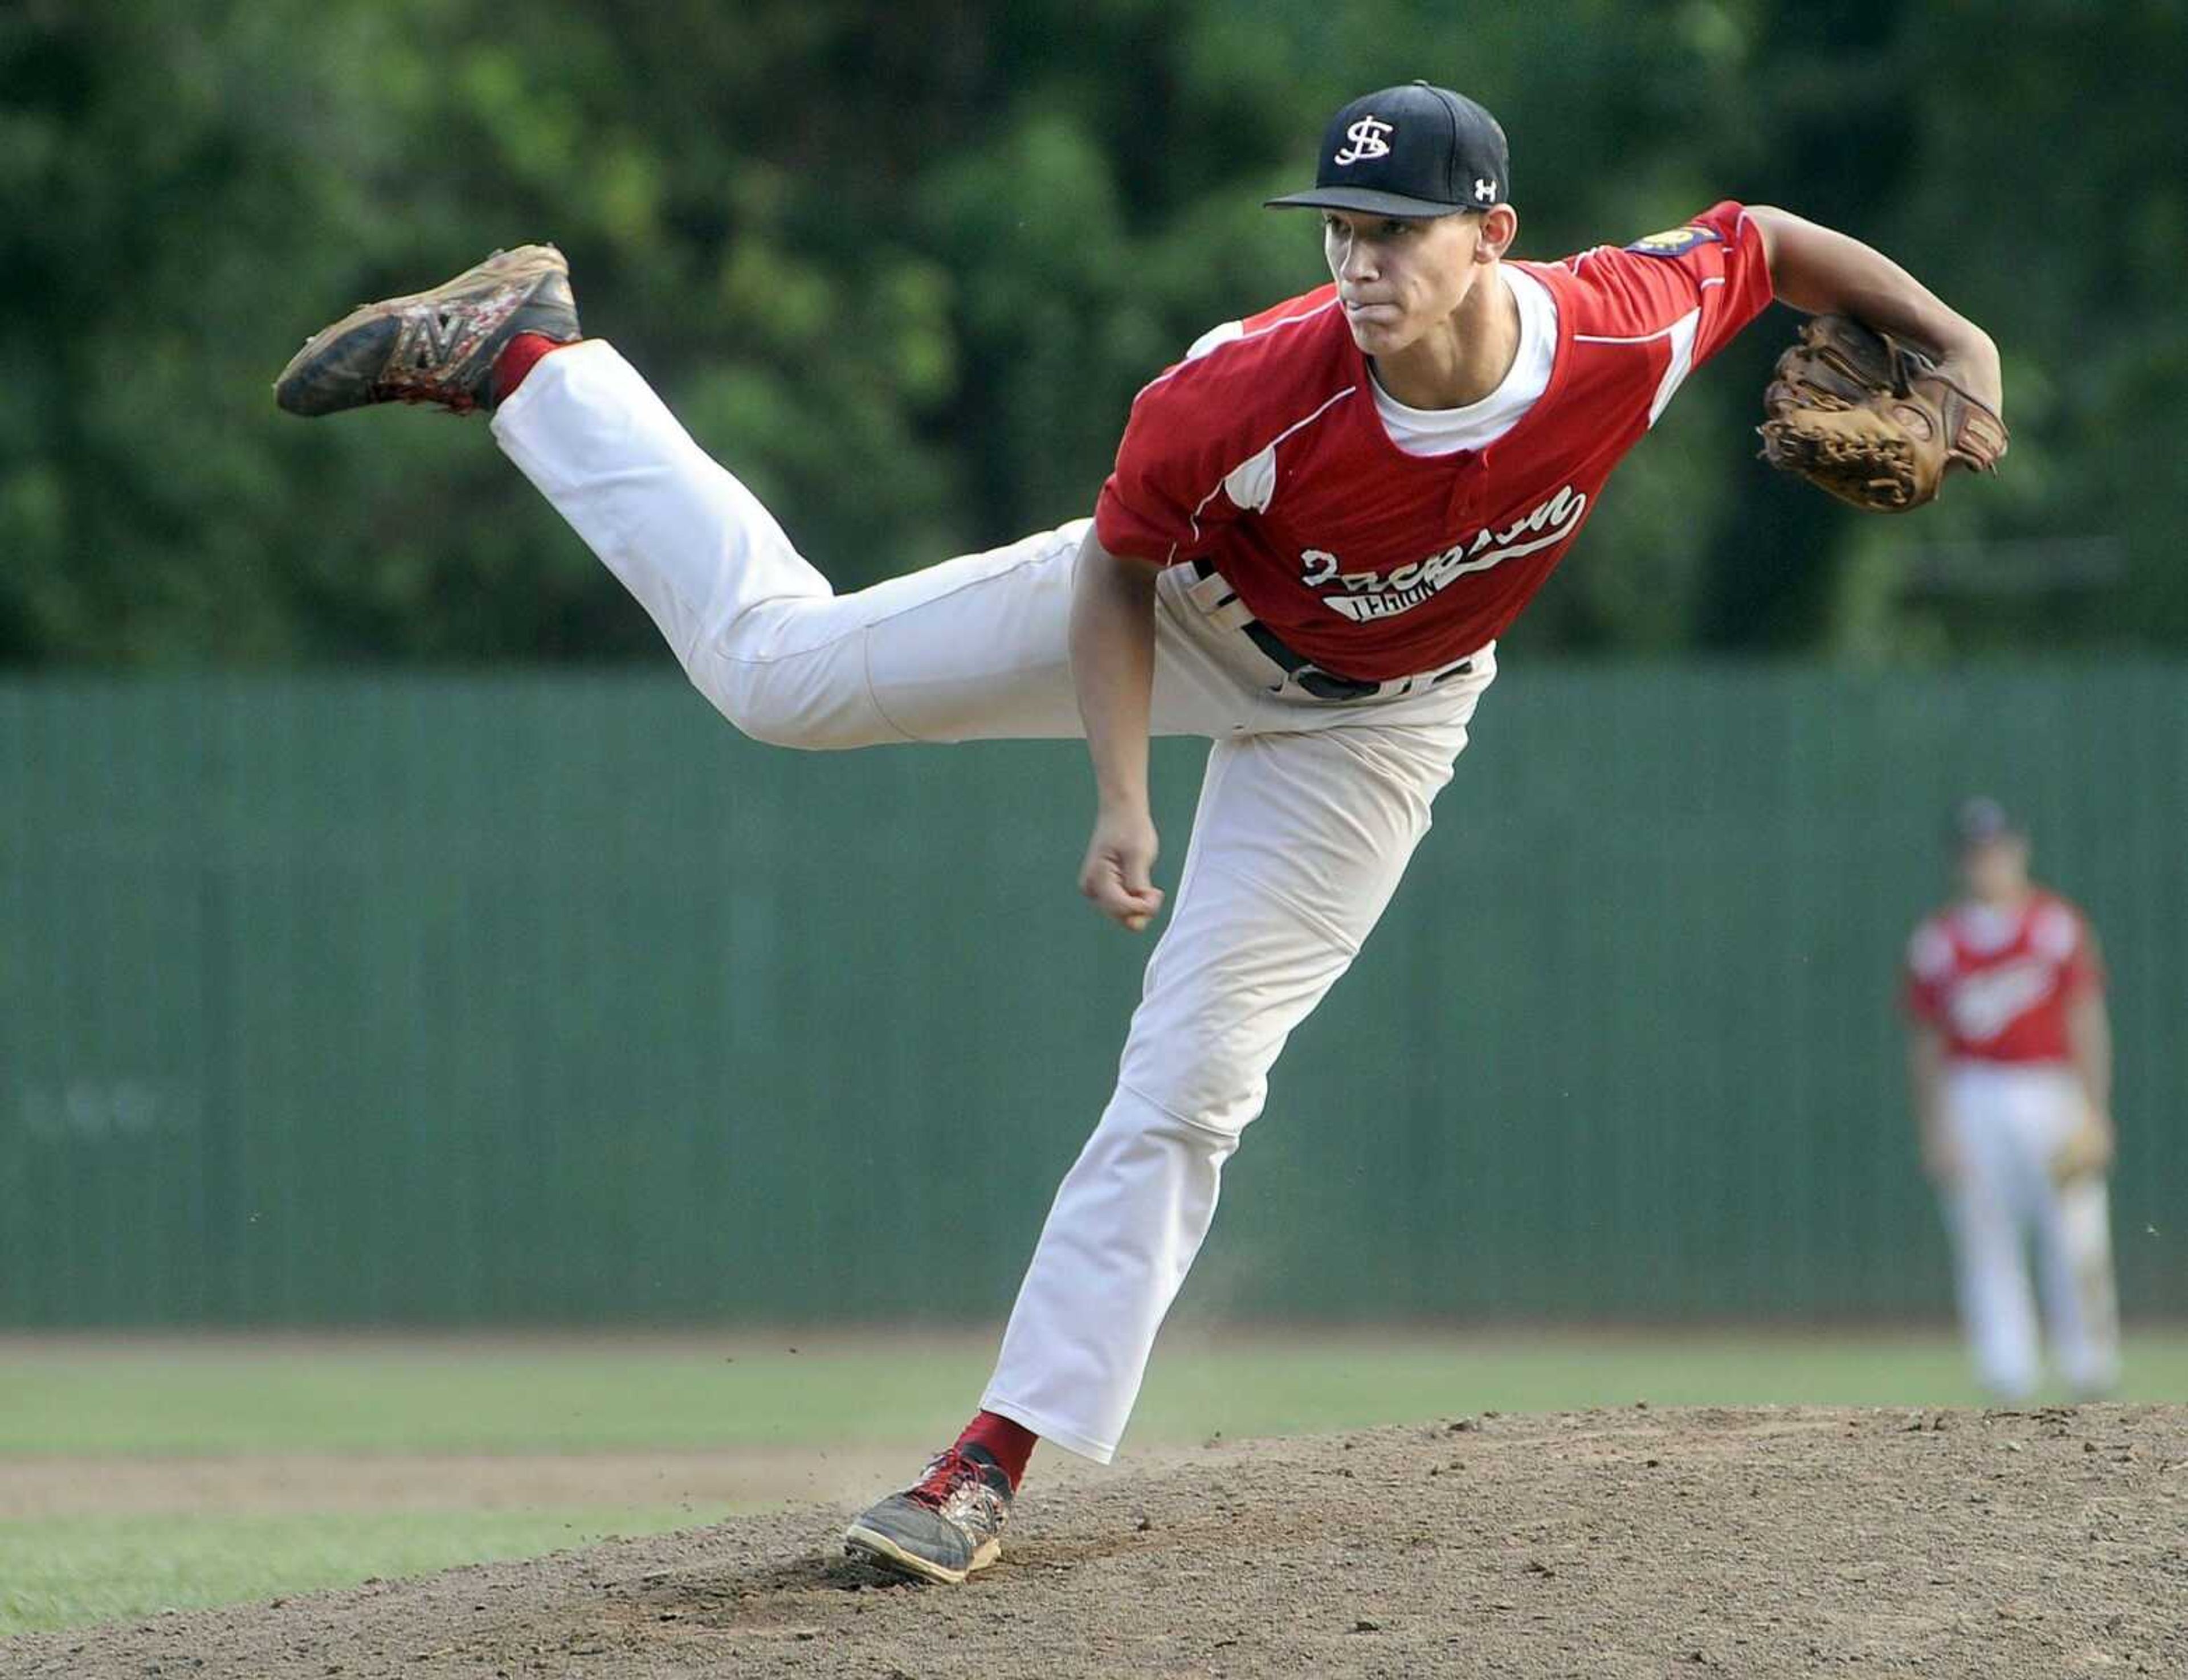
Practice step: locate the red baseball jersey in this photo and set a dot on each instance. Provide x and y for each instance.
(1997, 983)
(1263, 451)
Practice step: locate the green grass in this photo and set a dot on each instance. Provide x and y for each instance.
(235, 1396)
(240, 1396)
(64, 1571)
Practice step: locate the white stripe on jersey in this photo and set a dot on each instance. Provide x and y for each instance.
(1682, 333)
(1230, 332)
(1259, 485)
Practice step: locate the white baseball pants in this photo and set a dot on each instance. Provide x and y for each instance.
(2006, 1123)
(1308, 814)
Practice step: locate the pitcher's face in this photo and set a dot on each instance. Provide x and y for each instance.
(1399, 276)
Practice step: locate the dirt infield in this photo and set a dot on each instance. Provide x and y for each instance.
(1790, 1542)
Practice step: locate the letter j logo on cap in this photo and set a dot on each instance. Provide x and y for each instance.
(1366, 137)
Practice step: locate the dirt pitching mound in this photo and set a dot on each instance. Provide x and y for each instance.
(2001, 1544)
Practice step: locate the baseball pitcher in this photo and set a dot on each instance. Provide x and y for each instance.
(2009, 1053)
(1320, 520)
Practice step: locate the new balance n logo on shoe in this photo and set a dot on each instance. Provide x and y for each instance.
(435, 347)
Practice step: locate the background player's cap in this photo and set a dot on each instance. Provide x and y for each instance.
(1979, 820)
(1414, 151)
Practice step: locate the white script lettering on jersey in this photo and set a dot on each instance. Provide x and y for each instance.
(1366, 137)
(1372, 594)
(1985, 1003)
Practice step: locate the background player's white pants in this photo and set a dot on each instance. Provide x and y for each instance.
(1308, 814)
(2007, 1122)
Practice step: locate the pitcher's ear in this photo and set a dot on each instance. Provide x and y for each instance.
(1500, 226)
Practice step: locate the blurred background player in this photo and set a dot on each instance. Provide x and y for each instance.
(2011, 1056)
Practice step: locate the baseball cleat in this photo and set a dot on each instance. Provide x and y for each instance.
(947, 1525)
(433, 346)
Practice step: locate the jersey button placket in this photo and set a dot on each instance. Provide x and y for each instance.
(1462, 508)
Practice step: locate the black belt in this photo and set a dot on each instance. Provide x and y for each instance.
(1315, 679)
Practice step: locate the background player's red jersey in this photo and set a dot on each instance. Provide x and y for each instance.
(1997, 983)
(1263, 451)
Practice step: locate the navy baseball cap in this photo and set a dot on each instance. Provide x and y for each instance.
(1980, 820)
(1409, 151)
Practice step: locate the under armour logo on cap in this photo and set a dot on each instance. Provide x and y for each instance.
(1485, 191)
(1367, 140)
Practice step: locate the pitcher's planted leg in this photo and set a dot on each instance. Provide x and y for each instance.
(1299, 842)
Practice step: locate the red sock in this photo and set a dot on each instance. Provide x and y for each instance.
(1010, 1445)
(515, 360)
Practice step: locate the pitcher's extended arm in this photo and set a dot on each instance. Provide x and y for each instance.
(1823, 272)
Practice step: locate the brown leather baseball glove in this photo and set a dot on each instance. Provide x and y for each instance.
(1871, 421)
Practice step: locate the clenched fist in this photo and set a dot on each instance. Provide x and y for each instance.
(1118, 874)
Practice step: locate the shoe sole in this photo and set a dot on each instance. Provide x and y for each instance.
(527, 262)
(878, 1549)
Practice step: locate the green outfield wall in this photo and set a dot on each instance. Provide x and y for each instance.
(330, 1000)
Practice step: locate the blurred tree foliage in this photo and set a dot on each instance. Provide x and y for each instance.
(903, 267)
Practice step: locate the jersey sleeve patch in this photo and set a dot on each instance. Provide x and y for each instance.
(1676, 241)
